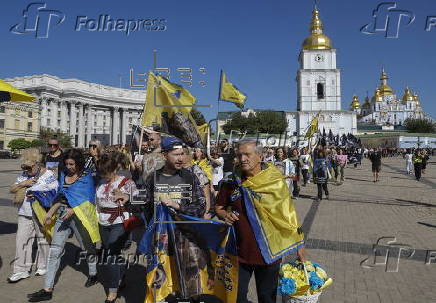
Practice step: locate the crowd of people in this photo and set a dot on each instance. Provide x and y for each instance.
(88, 193)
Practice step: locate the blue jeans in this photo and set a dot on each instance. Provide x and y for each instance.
(62, 230)
(113, 238)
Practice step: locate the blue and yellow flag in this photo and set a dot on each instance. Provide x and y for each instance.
(230, 93)
(43, 195)
(81, 198)
(212, 258)
(11, 93)
(271, 213)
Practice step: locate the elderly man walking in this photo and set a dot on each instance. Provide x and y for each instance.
(263, 240)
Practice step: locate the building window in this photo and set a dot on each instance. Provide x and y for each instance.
(2, 109)
(95, 123)
(2, 144)
(30, 114)
(320, 91)
(29, 126)
(48, 122)
(17, 124)
(2, 123)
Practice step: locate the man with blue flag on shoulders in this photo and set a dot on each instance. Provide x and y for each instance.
(260, 208)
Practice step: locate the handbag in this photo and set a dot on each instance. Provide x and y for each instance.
(133, 221)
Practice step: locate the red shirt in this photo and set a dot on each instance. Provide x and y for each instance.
(248, 249)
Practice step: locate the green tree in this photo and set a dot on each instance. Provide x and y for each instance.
(419, 125)
(19, 144)
(271, 122)
(37, 143)
(64, 139)
(198, 116)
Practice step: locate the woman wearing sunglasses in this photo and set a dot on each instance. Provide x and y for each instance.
(91, 164)
(34, 177)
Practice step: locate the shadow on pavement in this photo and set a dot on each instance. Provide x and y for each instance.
(8, 228)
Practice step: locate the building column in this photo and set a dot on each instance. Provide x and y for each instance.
(90, 124)
(124, 126)
(81, 134)
(73, 121)
(54, 113)
(43, 111)
(64, 117)
(115, 125)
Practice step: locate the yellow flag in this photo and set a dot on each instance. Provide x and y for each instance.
(313, 128)
(164, 96)
(230, 93)
(11, 93)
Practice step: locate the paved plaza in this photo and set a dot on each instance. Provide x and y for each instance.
(374, 239)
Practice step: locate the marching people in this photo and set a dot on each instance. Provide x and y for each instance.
(275, 198)
(286, 167)
(375, 158)
(34, 177)
(305, 160)
(111, 197)
(217, 163)
(341, 162)
(75, 210)
(418, 159)
(409, 162)
(53, 159)
(321, 174)
(295, 158)
(179, 189)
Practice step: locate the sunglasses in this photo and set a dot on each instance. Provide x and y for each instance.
(92, 145)
(26, 167)
(53, 145)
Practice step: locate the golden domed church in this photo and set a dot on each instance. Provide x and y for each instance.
(319, 86)
(385, 108)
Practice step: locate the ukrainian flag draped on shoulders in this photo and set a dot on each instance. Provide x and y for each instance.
(81, 198)
(44, 191)
(163, 271)
(271, 213)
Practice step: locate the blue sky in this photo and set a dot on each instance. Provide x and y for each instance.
(256, 42)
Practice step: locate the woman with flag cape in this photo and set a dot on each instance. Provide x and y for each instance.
(74, 206)
(34, 190)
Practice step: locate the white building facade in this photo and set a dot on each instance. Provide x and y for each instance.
(86, 111)
(319, 87)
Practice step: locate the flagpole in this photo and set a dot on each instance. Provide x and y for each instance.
(218, 101)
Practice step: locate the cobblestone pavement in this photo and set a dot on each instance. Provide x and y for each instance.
(394, 219)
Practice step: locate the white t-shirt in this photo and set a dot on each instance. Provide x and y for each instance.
(105, 198)
(218, 171)
(306, 161)
(46, 181)
(408, 157)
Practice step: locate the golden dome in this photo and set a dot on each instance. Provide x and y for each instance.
(416, 99)
(408, 96)
(385, 89)
(355, 103)
(366, 105)
(377, 96)
(316, 40)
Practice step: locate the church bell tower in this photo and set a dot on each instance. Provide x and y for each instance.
(318, 79)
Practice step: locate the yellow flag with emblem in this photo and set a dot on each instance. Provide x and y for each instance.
(313, 127)
(230, 93)
(164, 96)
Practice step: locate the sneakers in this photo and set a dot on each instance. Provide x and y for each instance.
(14, 278)
(92, 280)
(40, 295)
(40, 272)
